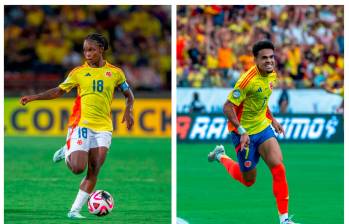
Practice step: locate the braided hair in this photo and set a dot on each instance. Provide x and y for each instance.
(99, 39)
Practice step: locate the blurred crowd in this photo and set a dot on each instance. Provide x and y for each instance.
(47, 41)
(214, 44)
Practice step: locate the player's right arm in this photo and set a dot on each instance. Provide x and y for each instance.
(230, 113)
(235, 98)
(69, 83)
(47, 95)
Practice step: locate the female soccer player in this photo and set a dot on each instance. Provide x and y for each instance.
(90, 125)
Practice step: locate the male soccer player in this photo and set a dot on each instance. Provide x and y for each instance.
(90, 125)
(249, 120)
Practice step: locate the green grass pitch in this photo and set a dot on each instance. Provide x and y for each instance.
(137, 172)
(207, 194)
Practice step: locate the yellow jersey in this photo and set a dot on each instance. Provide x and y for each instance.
(250, 97)
(95, 89)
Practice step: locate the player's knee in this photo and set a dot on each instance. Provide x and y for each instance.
(77, 169)
(249, 178)
(275, 162)
(278, 172)
(248, 182)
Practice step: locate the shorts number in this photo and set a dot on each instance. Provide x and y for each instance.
(97, 85)
(83, 132)
(247, 149)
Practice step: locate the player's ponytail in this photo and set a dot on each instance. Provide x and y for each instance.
(100, 39)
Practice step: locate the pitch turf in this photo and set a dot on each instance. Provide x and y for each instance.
(207, 194)
(137, 173)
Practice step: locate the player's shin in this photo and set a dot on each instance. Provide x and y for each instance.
(280, 189)
(88, 183)
(233, 169)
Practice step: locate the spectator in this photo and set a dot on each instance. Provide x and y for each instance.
(47, 39)
(283, 99)
(196, 106)
(309, 39)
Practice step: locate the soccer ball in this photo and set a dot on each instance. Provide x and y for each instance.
(100, 203)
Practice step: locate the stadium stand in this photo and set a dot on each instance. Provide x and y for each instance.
(214, 44)
(42, 43)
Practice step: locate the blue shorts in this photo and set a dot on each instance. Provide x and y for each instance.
(249, 157)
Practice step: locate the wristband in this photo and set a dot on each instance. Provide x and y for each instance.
(241, 130)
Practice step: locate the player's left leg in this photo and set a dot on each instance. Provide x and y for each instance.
(271, 154)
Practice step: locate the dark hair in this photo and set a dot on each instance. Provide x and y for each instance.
(100, 39)
(260, 45)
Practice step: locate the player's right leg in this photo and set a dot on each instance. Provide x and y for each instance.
(76, 158)
(216, 153)
(76, 162)
(247, 178)
(59, 155)
(244, 170)
(78, 145)
(96, 159)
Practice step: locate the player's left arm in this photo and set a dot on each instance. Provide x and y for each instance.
(277, 126)
(129, 97)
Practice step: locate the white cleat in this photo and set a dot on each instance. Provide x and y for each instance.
(216, 153)
(59, 154)
(75, 215)
(289, 221)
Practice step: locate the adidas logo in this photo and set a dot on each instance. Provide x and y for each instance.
(259, 90)
(88, 74)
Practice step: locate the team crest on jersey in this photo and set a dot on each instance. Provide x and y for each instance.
(79, 142)
(271, 85)
(236, 93)
(108, 74)
(247, 163)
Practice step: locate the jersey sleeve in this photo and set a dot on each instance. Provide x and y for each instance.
(120, 79)
(238, 94)
(69, 83)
